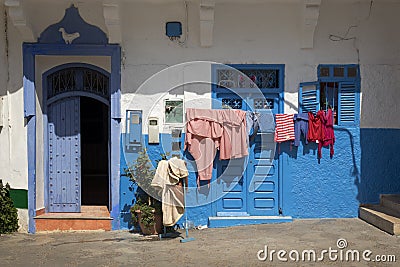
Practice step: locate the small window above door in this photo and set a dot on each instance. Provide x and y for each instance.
(71, 79)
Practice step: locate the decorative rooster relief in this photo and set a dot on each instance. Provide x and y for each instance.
(73, 29)
(68, 37)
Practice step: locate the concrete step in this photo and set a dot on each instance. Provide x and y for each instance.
(90, 218)
(227, 221)
(378, 216)
(392, 202)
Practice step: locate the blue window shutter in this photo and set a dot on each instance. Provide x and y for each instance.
(349, 104)
(309, 97)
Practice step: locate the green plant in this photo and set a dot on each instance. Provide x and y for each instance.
(146, 206)
(141, 172)
(8, 213)
(145, 212)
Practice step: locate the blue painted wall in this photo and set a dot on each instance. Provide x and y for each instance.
(325, 188)
(365, 164)
(380, 164)
(127, 192)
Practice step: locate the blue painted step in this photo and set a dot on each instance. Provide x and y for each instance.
(227, 221)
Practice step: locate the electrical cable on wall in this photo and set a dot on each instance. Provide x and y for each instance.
(337, 38)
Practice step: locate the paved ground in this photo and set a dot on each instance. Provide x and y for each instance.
(235, 246)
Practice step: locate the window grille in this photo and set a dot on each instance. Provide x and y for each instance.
(261, 78)
(233, 103)
(78, 79)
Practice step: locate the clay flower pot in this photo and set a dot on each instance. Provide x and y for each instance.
(157, 228)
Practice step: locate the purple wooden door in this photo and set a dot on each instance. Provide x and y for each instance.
(64, 155)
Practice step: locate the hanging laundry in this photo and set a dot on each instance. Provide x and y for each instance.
(166, 179)
(320, 130)
(233, 143)
(284, 130)
(314, 127)
(208, 130)
(329, 134)
(266, 122)
(300, 127)
(252, 124)
(260, 121)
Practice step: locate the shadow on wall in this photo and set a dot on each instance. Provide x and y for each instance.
(127, 197)
(380, 164)
(126, 217)
(326, 187)
(292, 151)
(379, 160)
(127, 191)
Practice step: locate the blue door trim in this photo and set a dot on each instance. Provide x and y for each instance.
(30, 50)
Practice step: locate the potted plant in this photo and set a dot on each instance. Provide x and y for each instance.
(146, 212)
(147, 216)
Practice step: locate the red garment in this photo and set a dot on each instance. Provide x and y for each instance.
(320, 130)
(314, 127)
(329, 135)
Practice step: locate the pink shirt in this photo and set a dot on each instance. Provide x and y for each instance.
(208, 130)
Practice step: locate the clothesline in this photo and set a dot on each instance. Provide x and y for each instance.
(315, 128)
(231, 130)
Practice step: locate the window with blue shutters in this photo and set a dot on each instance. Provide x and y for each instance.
(337, 88)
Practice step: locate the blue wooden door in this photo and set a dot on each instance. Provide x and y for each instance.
(250, 186)
(262, 173)
(64, 155)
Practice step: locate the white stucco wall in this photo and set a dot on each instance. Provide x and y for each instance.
(4, 141)
(13, 160)
(271, 33)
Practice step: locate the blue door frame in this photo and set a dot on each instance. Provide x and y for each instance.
(30, 51)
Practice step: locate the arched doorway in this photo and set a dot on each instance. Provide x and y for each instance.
(94, 152)
(78, 137)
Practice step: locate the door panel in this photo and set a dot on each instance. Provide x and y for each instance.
(230, 185)
(64, 155)
(263, 170)
(263, 177)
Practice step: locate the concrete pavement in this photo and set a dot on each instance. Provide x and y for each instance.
(235, 246)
